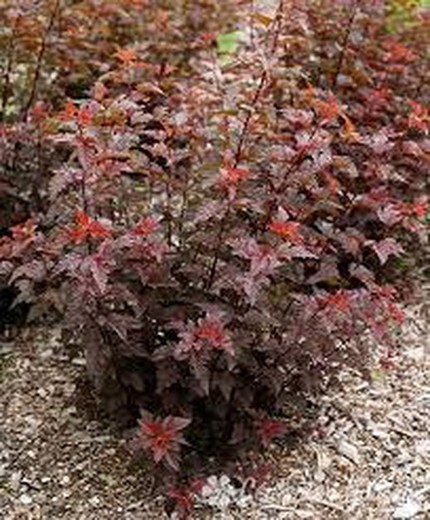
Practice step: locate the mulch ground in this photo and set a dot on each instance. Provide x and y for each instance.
(59, 458)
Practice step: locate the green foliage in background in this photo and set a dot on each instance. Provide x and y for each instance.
(227, 45)
(403, 13)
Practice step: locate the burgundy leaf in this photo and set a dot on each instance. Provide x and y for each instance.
(386, 248)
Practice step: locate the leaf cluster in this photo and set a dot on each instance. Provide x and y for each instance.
(221, 236)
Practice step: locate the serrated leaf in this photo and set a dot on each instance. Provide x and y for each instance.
(385, 248)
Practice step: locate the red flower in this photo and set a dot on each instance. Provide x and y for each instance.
(163, 438)
(287, 230)
(86, 227)
(84, 116)
(419, 116)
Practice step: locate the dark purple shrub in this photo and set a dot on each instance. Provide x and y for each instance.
(223, 236)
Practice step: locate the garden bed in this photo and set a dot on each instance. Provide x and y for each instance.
(59, 459)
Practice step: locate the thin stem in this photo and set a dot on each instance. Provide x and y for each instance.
(240, 146)
(39, 61)
(168, 214)
(83, 161)
(344, 45)
(278, 190)
(219, 241)
(36, 180)
(184, 207)
(260, 86)
(237, 158)
(296, 162)
(242, 138)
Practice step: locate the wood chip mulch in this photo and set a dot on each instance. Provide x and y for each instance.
(60, 460)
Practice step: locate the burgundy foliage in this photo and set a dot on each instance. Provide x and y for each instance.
(220, 236)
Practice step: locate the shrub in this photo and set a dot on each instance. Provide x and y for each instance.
(223, 240)
(51, 50)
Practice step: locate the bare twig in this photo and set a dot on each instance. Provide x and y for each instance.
(39, 60)
(344, 44)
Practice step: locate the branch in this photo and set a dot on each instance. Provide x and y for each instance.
(39, 61)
